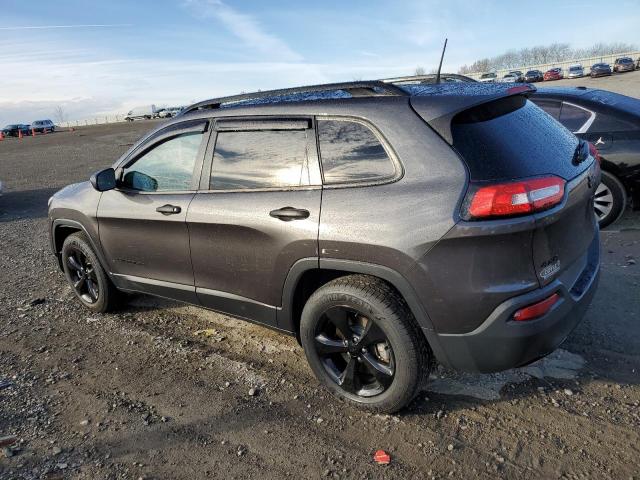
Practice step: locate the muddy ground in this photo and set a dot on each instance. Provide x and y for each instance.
(160, 390)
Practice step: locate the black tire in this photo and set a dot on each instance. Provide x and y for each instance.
(610, 200)
(103, 296)
(407, 351)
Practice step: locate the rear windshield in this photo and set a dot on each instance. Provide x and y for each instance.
(513, 138)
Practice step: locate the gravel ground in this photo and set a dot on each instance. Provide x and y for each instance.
(162, 390)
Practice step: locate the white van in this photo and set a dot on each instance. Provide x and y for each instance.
(147, 111)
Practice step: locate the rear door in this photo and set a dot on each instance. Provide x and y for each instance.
(255, 215)
(142, 223)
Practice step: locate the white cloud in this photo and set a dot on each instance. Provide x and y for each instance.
(245, 27)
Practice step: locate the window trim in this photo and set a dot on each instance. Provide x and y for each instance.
(251, 121)
(399, 168)
(157, 138)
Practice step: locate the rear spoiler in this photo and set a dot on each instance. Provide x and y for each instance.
(439, 104)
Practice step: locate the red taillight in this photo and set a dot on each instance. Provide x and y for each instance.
(537, 309)
(594, 152)
(514, 198)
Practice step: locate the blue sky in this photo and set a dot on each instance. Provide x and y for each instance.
(96, 58)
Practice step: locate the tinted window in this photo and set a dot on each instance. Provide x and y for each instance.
(573, 117)
(351, 152)
(168, 166)
(552, 107)
(512, 138)
(260, 159)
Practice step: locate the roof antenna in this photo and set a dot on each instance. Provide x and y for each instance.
(441, 58)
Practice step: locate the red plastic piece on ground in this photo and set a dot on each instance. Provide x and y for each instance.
(382, 458)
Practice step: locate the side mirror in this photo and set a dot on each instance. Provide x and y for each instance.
(140, 181)
(104, 180)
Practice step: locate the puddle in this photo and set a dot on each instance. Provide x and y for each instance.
(560, 364)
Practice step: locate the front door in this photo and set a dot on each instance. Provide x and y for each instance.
(142, 222)
(256, 215)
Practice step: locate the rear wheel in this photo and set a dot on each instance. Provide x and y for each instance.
(363, 343)
(610, 200)
(86, 276)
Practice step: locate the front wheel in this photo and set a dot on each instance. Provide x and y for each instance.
(363, 343)
(610, 200)
(86, 276)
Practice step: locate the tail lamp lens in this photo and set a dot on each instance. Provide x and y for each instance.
(513, 198)
(594, 152)
(537, 309)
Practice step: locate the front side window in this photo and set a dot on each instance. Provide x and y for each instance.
(351, 152)
(259, 159)
(168, 166)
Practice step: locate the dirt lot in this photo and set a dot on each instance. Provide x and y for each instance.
(160, 390)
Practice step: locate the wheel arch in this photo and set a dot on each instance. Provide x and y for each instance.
(307, 275)
(62, 228)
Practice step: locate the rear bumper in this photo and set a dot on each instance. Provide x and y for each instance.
(501, 343)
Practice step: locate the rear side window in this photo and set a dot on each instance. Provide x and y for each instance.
(261, 159)
(573, 117)
(512, 138)
(351, 152)
(552, 107)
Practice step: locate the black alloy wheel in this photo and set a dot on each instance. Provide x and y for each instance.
(83, 275)
(354, 351)
(86, 276)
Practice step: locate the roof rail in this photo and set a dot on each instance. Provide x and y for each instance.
(356, 89)
(429, 78)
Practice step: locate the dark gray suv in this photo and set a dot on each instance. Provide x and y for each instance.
(386, 226)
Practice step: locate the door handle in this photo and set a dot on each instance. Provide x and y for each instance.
(168, 209)
(286, 214)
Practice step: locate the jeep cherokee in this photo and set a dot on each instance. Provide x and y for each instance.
(386, 226)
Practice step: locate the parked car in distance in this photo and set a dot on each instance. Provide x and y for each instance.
(600, 70)
(488, 77)
(43, 126)
(297, 217)
(509, 78)
(14, 130)
(139, 113)
(575, 71)
(518, 74)
(553, 74)
(624, 64)
(534, 76)
(169, 112)
(612, 123)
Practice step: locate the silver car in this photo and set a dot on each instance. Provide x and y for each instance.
(575, 71)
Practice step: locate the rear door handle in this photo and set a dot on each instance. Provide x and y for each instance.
(168, 209)
(286, 214)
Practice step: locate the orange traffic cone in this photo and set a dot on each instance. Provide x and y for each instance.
(20, 133)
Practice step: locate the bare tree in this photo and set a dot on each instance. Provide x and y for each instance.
(419, 71)
(60, 114)
(541, 54)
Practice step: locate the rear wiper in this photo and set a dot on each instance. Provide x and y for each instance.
(579, 153)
